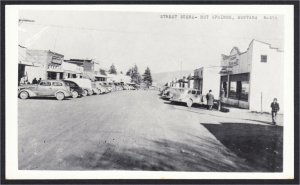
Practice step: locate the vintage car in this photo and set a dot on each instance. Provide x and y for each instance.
(46, 88)
(75, 89)
(100, 87)
(172, 91)
(163, 90)
(107, 86)
(84, 83)
(189, 96)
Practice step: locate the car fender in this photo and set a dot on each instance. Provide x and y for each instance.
(30, 92)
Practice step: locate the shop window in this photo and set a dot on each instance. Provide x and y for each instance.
(233, 89)
(244, 91)
(263, 58)
(225, 88)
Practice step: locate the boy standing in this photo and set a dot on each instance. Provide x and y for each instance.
(275, 109)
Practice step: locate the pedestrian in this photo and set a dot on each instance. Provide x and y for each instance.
(34, 81)
(275, 109)
(22, 81)
(210, 100)
(40, 79)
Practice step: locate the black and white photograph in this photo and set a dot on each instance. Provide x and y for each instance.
(198, 91)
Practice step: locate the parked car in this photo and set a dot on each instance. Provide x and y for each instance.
(189, 96)
(107, 86)
(46, 88)
(162, 91)
(172, 91)
(75, 89)
(85, 84)
(100, 87)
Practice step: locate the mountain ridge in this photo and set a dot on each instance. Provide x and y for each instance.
(163, 77)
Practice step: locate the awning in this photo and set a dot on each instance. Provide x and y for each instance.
(101, 76)
(55, 70)
(26, 63)
(72, 72)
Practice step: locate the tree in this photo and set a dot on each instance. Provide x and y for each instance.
(147, 78)
(112, 69)
(136, 77)
(134, 74)
(129, 72)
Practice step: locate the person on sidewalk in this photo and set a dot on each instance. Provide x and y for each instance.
(275, 109)
(34, 81)
(40, 79)
(210, 100)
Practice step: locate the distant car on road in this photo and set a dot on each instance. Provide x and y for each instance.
(46, 88)
(189, 96)
(75, 89)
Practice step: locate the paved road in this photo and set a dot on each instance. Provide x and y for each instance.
(136, 130)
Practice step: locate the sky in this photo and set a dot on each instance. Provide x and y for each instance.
(143, 38)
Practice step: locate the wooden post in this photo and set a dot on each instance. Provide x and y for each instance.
(261, 94)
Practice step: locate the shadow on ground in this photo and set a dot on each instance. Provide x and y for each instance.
(163, 155)
(260, 145)
(47, 98)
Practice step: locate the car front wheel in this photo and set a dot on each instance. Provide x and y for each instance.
(60, 96)
(84, 93)
(74, 94)
(24, 95)
(189, 103)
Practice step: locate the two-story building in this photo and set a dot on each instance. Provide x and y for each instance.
(252, 79)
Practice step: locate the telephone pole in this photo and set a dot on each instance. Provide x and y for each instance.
(25, 20)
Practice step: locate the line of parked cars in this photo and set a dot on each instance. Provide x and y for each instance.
(185, 95)
(71, 87)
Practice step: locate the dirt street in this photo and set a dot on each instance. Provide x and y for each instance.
(136, 130)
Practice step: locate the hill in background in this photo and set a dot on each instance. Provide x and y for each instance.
(164, 77)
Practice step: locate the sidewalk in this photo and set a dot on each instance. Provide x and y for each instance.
(237, 113)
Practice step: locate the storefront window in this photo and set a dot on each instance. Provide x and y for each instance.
(233, 90)
(245, 91)
(239, 90)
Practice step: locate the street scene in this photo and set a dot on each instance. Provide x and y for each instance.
(100, 90)
(150, 134)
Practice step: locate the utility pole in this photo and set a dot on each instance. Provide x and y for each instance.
(25, 20)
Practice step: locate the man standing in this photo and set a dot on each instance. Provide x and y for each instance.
(275, 109)
(40, 79)
(210, 99)
(34, 81)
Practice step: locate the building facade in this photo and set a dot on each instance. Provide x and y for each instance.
(205, 79)
(252, 79)
(47, 65)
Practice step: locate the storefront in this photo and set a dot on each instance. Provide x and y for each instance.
(71, 70)
(28, 69)
(245, 80)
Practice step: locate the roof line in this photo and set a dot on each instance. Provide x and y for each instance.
(270, 46)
